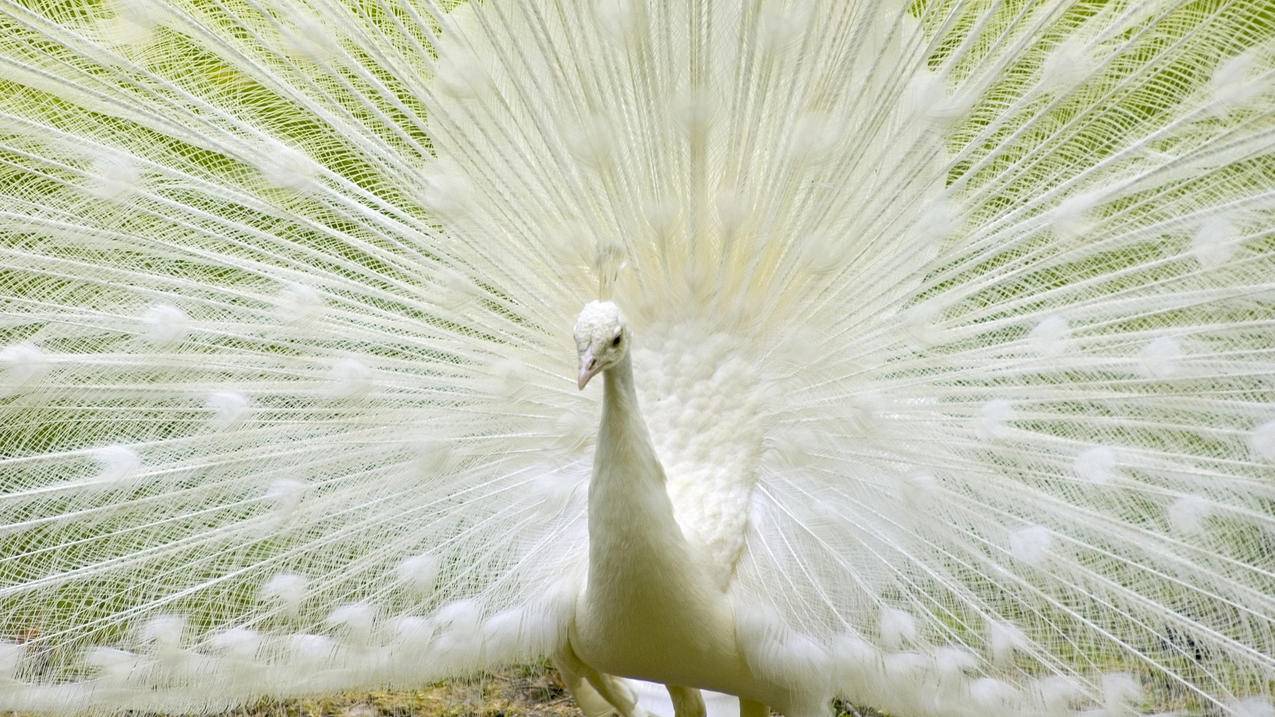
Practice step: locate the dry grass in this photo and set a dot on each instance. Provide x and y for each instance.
(526, 691)
(531, 691)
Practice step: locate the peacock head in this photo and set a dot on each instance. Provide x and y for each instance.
(602, 339)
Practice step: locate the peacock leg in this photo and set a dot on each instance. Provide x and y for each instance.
(748, 708)
(687, 701)
(587, 698)
(597, 694)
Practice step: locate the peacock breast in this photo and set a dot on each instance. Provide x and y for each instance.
(702, 398)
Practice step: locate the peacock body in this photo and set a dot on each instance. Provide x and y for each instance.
(944, 375)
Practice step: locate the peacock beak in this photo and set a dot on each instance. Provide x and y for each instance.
(588, 369)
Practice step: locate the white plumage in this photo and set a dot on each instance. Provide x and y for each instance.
(943, 379)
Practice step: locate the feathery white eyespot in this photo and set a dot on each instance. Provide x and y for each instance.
(1004, 640)
(868, 409)
(800, 659)
(1188, 513)
(460, 640)
(1161, 357)
(569, 242)
(575, 430)
(823, 253)
(1235, 81)
(1252, 707)
(432, 457)
(287, 589)
(286, 167)
(11, 654)
(349, 378)
(937, 221)
(896, 628)
(116, 464)
(240, 643)
(1263, 440)
(355, 620)
(502, 635)
(592, 142)
(552, 493)
(1051, 337)
(456, 290)
(1215, 242)
(855, 660)
(229, 408)
(311, 650)
(953, 662)
(920, 323)
(412, 631)
(1066, 65)
(993, 695)
(113, 176)
(617, 17)
(1120, 690)
(119, 33)
(905, 668)
(305, 36)
(775, 650)
(133, 24)
(1057, 693)
(993, 419)
(297, 304)
(461, 75)
(919, 486)
(509, 378)
(1074, 216)
(163, 633)
(758, 625)
(732, 210)
(1031, 544)
(419, 573)
(165, 323)
(815, 136)
(518, 634)
(20, 366)
(544, 621)
(1097, 465)
(781, 25)
(112, 664)
(694, 112)
(445, 189)
(146, 13)
(285, 495)
(928, 98)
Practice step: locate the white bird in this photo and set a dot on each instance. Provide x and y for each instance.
(656, 605)
(936, 343)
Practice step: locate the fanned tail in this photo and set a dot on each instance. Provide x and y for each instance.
(974, 299)
(265, 431)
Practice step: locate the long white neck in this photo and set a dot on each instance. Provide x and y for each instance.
(622, 426)
(631, 524)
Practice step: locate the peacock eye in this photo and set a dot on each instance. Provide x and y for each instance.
(616, 341)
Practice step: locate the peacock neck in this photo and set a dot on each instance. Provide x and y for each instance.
(622, 425)
(645, 592)
(628, 500)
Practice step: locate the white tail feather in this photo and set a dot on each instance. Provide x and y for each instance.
(954, 316)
